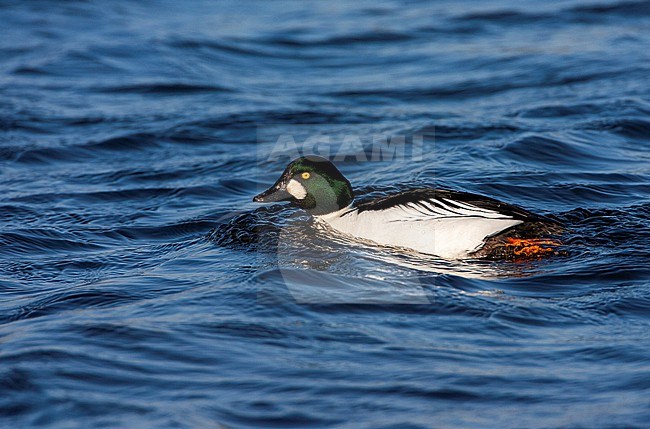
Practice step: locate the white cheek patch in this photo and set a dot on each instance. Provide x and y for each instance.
(296, 189)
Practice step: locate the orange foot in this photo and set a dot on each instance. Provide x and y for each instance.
(529, 247)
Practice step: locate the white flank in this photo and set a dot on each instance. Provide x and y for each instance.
(447, 234)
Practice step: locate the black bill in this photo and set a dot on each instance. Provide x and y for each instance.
(277, 192)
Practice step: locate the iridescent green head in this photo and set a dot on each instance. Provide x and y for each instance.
(313, 184)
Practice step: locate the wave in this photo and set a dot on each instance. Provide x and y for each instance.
(166, 88)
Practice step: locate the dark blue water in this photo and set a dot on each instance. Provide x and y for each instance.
(140, 287)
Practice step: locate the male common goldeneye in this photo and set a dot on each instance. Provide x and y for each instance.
(440, 222)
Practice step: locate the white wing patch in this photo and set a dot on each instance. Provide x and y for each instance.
(443, 208)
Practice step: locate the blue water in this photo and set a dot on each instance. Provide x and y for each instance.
(141, 287)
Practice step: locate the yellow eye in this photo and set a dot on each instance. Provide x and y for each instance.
(305, 175)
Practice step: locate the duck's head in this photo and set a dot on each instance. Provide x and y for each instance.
(313, 184)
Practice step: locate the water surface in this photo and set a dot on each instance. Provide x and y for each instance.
(140, 287)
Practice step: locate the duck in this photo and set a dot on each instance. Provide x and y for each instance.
(444, 223)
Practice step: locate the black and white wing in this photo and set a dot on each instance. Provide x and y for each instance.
(425, 204)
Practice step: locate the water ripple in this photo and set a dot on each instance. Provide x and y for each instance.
(141, 287)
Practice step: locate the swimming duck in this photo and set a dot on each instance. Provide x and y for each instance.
(445, 223)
